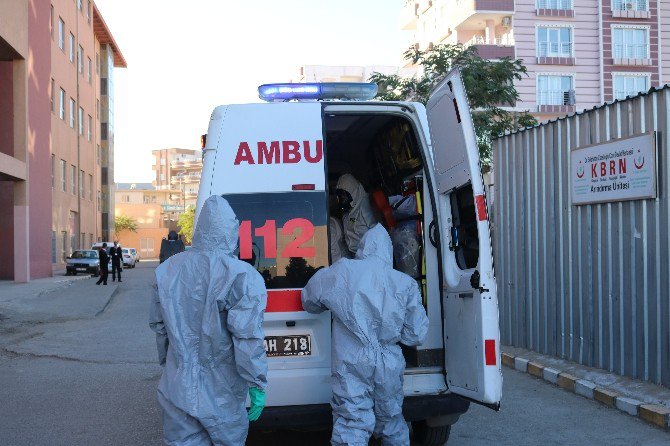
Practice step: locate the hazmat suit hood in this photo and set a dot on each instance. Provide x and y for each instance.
(377, 244)
(217, 227)
(357, 220)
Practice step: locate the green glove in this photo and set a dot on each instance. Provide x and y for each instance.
(257, 397)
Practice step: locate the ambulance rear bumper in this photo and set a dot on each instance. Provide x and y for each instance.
(316, 416)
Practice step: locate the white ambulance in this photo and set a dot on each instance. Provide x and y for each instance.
(277, 164)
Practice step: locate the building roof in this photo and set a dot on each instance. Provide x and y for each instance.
(134, 186)
(104, 36)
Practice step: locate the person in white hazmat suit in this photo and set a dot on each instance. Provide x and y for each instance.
(357, 214)
(374, 308)
(338, 247)
(207, 314)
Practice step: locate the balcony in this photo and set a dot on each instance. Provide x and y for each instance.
(555, 8)
(555, 53)
(172, 208)
(423, 6)
(556, 101)
(472, 14)
(185, 179)
(630, 9)
(497, 48)
(631, 54)
(409, 14)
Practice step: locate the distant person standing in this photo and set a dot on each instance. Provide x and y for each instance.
(173, 245)
(117, 261)
(104, 261)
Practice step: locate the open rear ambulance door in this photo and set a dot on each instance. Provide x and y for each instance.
(469, 297)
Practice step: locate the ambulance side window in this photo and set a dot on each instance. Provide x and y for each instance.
(465, 227)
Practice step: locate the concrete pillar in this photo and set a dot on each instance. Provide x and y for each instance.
(21, 220)
(491, 32)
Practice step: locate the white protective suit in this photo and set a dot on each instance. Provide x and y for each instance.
(374, 308)
(357, 220)
(207, 316)
(338, 247)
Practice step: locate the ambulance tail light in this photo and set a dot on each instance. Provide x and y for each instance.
(352, 91)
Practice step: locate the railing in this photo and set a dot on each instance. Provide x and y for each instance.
(631, 51)
(629, 5)
(555, 49)
(506, 40)
(556, 97)
(554, 4)
(172, 208)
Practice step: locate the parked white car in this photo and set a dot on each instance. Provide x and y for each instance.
(136, 254)
(128, 258)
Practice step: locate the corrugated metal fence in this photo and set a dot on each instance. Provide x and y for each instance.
(587, 283)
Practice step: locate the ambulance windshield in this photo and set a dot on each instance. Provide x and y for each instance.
(283, 235)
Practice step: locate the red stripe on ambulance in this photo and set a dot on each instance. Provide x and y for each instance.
(283, 301)
(481, 207)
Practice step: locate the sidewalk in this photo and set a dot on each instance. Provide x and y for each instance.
(52, 299)
(647, 401)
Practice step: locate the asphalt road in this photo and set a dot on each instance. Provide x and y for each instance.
(91, 380)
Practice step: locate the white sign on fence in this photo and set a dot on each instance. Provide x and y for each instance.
(619, 170)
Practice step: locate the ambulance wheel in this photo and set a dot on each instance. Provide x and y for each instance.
(430, 435)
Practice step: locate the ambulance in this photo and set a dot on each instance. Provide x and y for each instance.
(277, 164)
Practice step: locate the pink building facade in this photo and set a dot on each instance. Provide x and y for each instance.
(579, 53)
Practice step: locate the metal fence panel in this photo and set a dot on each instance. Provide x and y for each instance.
(588, 283)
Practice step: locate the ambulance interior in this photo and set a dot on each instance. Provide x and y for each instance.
(381, 152)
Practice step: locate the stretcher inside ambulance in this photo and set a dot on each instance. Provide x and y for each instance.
(277, 163)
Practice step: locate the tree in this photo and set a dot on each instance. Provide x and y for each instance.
(489, 85)
(124, 223)
(186, 221)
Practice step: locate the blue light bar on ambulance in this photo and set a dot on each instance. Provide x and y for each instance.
(352, 91)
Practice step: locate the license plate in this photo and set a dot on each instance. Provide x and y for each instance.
(81, 269)
(299, 345)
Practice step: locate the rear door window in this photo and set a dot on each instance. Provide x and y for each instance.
(283, 235)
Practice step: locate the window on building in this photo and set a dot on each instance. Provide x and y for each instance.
(163, 161)
(73, 179)
(79, 5)
(554, 41)
(99, 199)
(61, 33)
(51, 22)
(90, 240)
(125, 198)
(554, 4)
(71, 47)
(103, 85)
(99, 151)
(97, 63)
(97, 108)
(53, 247)
(629, 5)
(631, 43)
(80, 60)
(62, 104)
(53, 171)
(64, 248)
(629, 85)
(88, 11)
(52, 95)
(63, 175)
(82, 192)
(162, 177)
(555, 90)
(81, 120)
(88, 70)
(90, 187)
(82, 240)
(103, 131)
(72, 107)
(89, 129)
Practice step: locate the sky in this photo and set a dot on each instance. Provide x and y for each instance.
(186, 57)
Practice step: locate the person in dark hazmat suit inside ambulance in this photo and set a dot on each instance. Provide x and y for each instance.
(207, 314)
(357, 214)
(374, 307)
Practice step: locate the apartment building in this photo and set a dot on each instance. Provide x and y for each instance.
(578, 53)
(151, 210)
(344, 73)
(51, 131)
(178, 171)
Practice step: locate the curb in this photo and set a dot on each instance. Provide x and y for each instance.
(654, 414)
